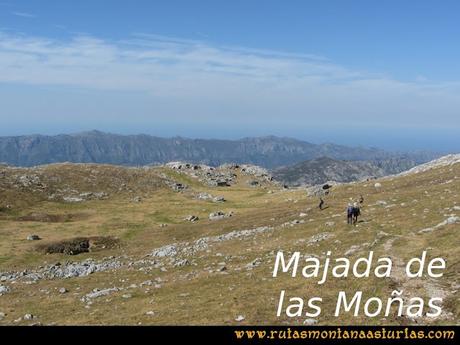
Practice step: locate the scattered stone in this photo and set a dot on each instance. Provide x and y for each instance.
(378, 185)
(72, 199)
(319, 237)
(354, 248)
(448, 221)
(330, 223)
(239, 318)
(177, 165)
(187, 249)
(257, 171)
(93, 195)
(147, 282)
(174, 185)
(99, 293)
(181, 263)
(29, 317)
(33, 238)
(204, 196)
(217, 215)
(126, 296)
(63, 290)
(150, 313)
(320, 190)
(293, 223)
(192, 218)
(310, 322)
(4, 289)
(168, 250)
(2, 315)
(29, 180)
(256, 262)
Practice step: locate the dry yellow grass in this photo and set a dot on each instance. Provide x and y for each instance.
(201, 293)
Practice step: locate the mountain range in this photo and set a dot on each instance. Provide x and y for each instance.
(135, 150)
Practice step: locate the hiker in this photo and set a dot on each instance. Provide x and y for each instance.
(361, 199)
(356, 212)
(321, 203)
(350, 214)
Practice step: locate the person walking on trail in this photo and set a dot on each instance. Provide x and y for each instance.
(361, 200)
(321, 203)
(350, 214)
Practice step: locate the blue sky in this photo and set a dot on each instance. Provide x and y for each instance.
(381, 73)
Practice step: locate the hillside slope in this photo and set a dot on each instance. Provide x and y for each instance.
(324, 169)
(167, 267)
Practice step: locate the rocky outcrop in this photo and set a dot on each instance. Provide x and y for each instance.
(222, 176)
(61, 271)
(448, 221)
(440, 162)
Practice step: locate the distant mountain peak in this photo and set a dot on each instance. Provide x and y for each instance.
(96, 146)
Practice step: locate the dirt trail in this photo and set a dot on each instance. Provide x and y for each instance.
(411, 287)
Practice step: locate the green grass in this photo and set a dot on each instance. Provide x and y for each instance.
(4, 259)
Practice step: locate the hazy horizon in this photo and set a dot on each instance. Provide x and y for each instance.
(401, 141)
(356, 73)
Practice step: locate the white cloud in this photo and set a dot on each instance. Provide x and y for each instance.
(144, 63)
(197, 78)
(24, 14)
